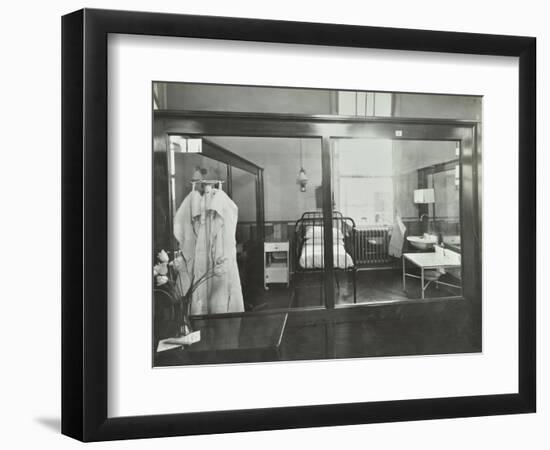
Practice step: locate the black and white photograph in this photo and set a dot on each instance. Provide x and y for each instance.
(275, 225)
(310, 224)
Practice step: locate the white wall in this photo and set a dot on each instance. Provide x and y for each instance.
(438, 106)
(30, 331)
(247, 99)
(280, 159)
(408, 157)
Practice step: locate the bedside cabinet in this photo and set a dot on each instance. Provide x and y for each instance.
(276, 263)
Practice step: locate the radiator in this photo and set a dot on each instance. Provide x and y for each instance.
(371, 245)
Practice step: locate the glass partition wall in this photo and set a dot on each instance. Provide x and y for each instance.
(404, 198)
(277, 221)
(395, 200)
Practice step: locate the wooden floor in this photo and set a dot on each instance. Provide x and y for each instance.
(372, 286)
(375, 285)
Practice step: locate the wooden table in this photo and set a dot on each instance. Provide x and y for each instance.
(431, 260)
(246, 337)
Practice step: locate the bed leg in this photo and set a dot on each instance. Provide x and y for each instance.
(354, 285)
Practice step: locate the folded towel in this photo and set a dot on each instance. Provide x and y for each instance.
(397, 237)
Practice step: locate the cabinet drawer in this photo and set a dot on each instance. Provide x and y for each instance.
(276, 275)
(275, 246)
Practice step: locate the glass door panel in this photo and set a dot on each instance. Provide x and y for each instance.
(204, 265)
(287, 269)
(402, 196)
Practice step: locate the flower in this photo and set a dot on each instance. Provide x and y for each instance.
(173, 275)
(163, 257)
(160, 269)
(161, 279)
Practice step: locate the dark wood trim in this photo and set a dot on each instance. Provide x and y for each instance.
(170, 114)
(171, 196)
(275, 125)
(220, 153)
(229, 182)
(260, 205)
(326, 168)
(339, 313)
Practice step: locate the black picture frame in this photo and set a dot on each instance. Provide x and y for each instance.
(84, 224)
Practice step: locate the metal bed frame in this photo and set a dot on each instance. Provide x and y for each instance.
(346, 230)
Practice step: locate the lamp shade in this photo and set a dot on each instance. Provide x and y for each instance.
(424, 196)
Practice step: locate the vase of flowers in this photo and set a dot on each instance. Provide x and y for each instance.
(167, 277)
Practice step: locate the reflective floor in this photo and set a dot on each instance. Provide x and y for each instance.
(412, 328)
(438, 327)
(306, 290)
(376, 285)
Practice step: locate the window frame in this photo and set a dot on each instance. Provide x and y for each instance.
(326, 128)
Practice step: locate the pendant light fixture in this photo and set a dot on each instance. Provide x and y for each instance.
(302, 177)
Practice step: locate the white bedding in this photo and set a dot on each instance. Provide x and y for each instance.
(312, 256)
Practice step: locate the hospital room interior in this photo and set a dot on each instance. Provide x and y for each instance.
(391, 197)
(389, 207)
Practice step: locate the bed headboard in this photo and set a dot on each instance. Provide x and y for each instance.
(312, 223)
(316, 218)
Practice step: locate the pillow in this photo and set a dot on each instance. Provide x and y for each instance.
(316, 234)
